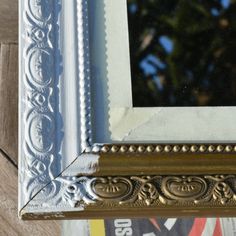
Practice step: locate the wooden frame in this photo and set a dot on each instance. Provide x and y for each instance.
(63, 174)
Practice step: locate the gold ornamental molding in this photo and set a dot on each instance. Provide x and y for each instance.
(153, 191)
(169, 148)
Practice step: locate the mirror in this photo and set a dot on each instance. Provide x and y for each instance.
(182, 52)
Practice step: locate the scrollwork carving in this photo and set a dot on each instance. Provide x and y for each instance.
(153, 191)
(38, 87)
(41, 121)
(221, 190)
(77, 192)
(184, 188)
(40, 70)
(111, 188)
(146, 190)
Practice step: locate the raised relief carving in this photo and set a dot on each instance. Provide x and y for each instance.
(39, 171)
(41, 10)
(78, 192)
(40, 67)
(40, 23)
(41, 119)
(41, 131)
(146, 191)
(40, 100)
(111, 188)
(184, 188)
(221, 190)
(151, 190)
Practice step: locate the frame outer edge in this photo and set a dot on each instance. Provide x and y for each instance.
(38, 112)
(20, 200)
(33, 27)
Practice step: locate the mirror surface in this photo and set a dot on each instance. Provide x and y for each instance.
(182, 52)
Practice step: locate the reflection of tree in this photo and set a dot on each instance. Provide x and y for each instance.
(183, 53)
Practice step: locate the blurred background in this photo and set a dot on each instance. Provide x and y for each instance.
(182, 52)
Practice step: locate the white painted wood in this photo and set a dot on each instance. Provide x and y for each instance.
(54, 99)
(69, 84)
(190, 124)
(116, 120)
(110, 63)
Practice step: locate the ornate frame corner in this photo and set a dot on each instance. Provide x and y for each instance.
(104, 180)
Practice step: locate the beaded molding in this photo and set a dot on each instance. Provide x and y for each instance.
(84, 75)
(168, 148)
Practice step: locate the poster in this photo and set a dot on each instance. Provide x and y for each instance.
(164, 227)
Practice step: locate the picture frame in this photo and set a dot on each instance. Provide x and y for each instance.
(66, 172)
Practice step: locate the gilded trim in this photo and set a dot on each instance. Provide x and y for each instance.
(153, 191)
(167, 148)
